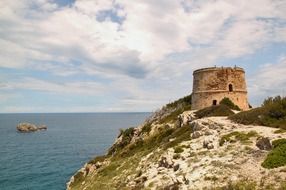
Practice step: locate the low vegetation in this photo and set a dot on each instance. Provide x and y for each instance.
(97, 159)
(179, 135)
(278, 131)
(218, 110)
(239, 185)
(224, 108)
(249, 185)
(146, 128)
(187, 101)
(170, 112)
(126, 136)
(78, 177)
(237, 136)
(176, 156)
(277, 157)
(226, 101)
(178, 149)
(272, 113)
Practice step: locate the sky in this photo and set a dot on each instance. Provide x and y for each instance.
(133, 56)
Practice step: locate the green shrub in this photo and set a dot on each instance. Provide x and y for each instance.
(126, 135)
(132, 148)
(78, 177)
(128, 132)
(276, 107)
(174, 186)
(280, 131)
(173, 109)
(218, 110)
(237, 136)
(278, 142)
(179, 135)
(272, 113)
(249, 117)
(187, 100)
(282, 186)
(277, 157)
(239, 185)
(226, 101)
(211, 178)
(176, 156)
(178, 149)
(139, 143)
(146, 128)
(172, 116)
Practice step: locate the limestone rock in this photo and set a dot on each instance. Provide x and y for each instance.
(196, 126)
(166, 163)
(264, 144)
(28, 127)
(196, 134)
(176, 167)
(213, 126)
(208, 133)
(186, 117)
(208, 144)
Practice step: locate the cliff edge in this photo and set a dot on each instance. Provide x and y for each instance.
(181, 149)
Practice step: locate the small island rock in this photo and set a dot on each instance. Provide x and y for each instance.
(28, 127)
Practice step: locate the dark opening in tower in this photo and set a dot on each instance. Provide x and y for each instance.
(230, 87)
(214, 102)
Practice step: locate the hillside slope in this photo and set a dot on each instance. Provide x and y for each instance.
(173, 150)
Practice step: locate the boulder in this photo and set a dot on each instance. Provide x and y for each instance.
(196, 134)
(196, 126)
(166, 163)
(28, 127)
(186, 117)
(264, 144)
(176, 167)
(208, 144)
(213, 126)
(208, 133)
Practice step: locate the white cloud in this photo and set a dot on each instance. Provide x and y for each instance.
(270, 80)
(145, 49)
(83, 88)
(152, 29)
(244, 38)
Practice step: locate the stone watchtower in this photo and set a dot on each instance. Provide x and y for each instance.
(211, 85)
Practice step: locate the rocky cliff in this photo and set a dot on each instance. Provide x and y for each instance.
(175, 150)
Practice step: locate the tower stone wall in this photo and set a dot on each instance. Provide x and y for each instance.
(211, 85)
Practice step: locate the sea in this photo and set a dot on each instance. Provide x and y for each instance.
(45, 160)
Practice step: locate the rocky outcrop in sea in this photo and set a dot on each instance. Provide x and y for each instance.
(29, 127)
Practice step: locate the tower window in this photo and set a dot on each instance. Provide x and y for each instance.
(214, 102)
(230, 87)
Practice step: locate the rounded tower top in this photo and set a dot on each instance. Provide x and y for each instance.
(210, 69)
(219, 79)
